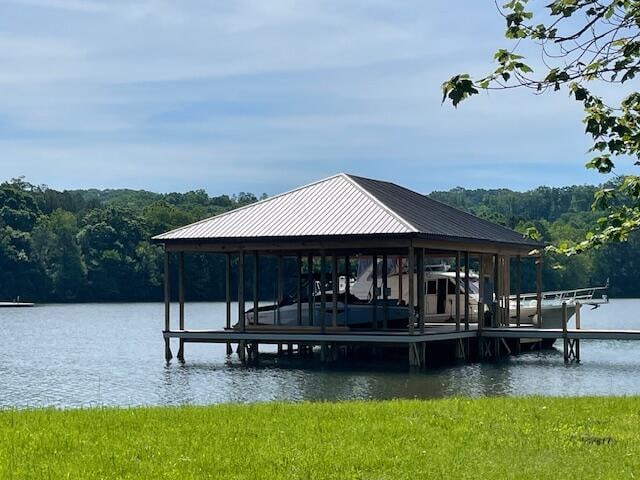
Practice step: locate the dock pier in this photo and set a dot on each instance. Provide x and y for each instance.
(320, 236)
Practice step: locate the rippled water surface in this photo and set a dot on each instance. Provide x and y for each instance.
(112, 354)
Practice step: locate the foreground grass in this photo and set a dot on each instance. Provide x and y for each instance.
(455, 438)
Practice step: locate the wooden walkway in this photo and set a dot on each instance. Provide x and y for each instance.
(558, 333)
(274, 336)
(490, 342)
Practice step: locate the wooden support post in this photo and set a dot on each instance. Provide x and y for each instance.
(481, 294)
(299, 290)
(414, 355)
(228, 298)
(466, 291)
(167, 308)
(496, 318)
(241, 315)
(518, 290)
(507, 290)
(255, 287)
(410, 272)
(181, 302)
(565, 339)
(280, 289)
(310, 288)
(374, 292)
(481, 340)
(400, 278)
(422, 311)
(385, 293)
(242, 351)
(458, 291)
(323, 291)
(347, 288)
(539, 290)
(181, 287)
(255, 353)
(335, 289)
(577, 340)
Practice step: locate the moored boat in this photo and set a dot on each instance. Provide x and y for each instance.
(357, 306)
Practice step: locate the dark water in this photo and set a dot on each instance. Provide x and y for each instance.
(112, 354)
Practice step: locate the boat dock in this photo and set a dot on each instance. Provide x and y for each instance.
(488, 342)
(309, 241)
(15, 304)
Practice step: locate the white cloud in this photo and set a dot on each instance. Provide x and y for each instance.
(117, 93)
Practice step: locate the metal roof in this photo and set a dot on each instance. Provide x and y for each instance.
(346, 205)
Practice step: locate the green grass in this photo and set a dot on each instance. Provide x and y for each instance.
(455, 438)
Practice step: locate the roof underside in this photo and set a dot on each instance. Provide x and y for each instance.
(345, 205)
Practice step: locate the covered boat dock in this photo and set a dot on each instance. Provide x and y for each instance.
(315, 233)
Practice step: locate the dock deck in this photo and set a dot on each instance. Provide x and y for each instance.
(482, 338)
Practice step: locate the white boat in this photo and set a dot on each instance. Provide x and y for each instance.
(357, 307)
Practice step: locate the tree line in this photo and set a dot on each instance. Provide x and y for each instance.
(94, 245)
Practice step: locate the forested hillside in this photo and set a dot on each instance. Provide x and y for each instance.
(560, 215)
(94, 245)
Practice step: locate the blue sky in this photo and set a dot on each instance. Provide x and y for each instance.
(262, 96)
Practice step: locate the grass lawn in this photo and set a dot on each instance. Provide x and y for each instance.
(454, 438)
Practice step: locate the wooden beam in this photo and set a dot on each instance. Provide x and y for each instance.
(481, 294)
(227, 284)
(507, 290)
(385, 295)
(347, 287)
(181, 288)
(458, 291)
(374, 292)
(299, 288)
(323, 291)
(241, 316)
(280, 288)
(228, 289)
(518, 289)
(410, 272)
(335, 289)
(167, 307)
(364, 245)
(400, 278)
(181, 302)
(255, 286)
(466, 291)
(496, 320)
(420, 288)
(310, 288)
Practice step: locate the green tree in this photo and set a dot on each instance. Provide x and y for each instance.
(110, 239)
(56, 248)
(583, 43)
(19, 270)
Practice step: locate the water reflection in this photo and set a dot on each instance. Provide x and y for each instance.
(88, 355)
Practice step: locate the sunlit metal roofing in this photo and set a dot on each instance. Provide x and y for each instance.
(345, 205)
(333, 206)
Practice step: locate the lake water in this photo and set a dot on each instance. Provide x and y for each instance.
(112, 354)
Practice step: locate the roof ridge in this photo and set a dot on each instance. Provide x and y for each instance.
(459, 210)
(446, 206)
(259, 202)
(352, 179)
(443, 204)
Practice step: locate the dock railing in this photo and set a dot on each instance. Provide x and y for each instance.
(585, 296)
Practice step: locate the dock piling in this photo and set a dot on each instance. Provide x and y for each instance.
(167, 308)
